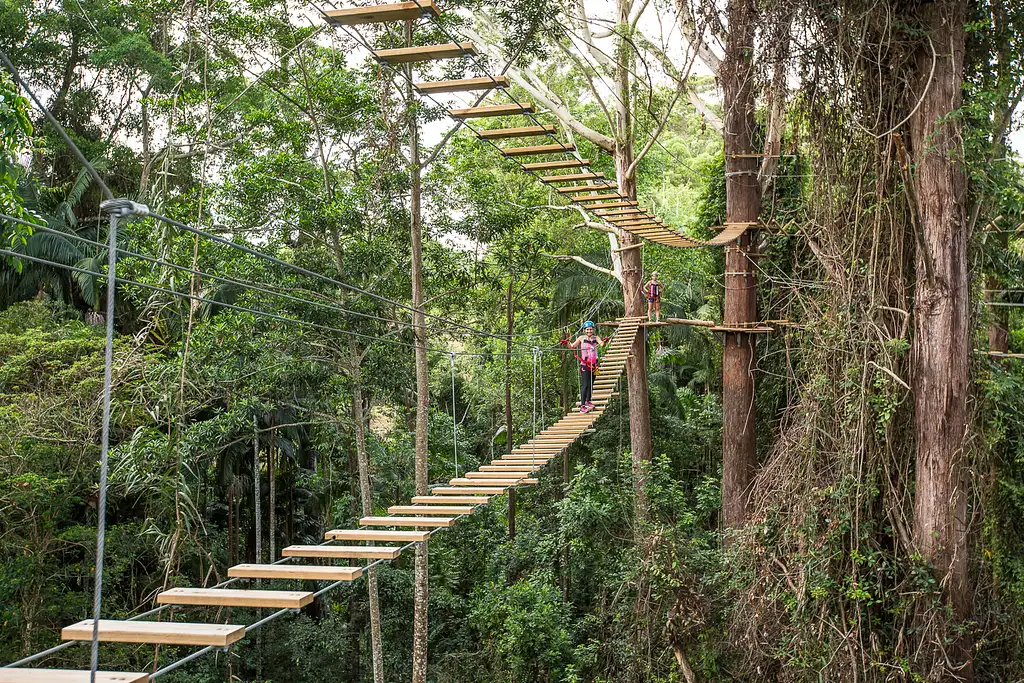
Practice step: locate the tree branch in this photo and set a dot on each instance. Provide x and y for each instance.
(536, 88)
(583, 262)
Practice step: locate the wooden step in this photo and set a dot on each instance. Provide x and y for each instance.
(376, 535)
(462, 85)
(450, 500)
(596, 187)
(343, 552)
(538, 149)
(609, 205)
(598, 197)
(524, 132)
(504, 474)
(229, 597)
(456, 490)
(491, 110)
(620, 212)
(466, 481)
(302, 572)
(378, 14)
(18, 675)
(507, 467)
(441, 522)
(156, 632)
(425, 53)
(551, 165)
(430, 510)
(571, 178)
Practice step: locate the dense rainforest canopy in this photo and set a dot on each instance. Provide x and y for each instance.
(396, 313)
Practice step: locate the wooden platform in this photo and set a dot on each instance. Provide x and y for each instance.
(524, 132)
(156, 632)
(462, 85)
(19, 675)
(425, 53)
(440, 522)
(538, 149)
(228, 597)
(450, 500)
(376, 535)
(759, 329)
(377, 14)
(343, 552)
(430, 510)
(303, 572)
(491, 110)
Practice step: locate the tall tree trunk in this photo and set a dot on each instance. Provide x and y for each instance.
(510, 321)
(272, 494)
(940, 350)
(366, 496)
(419, 636)
(742, 204)
(632, 272)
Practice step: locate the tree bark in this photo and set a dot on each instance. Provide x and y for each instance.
(941, 345)
(419, 636)
(366, 496)
(632, 274)
(742, 204)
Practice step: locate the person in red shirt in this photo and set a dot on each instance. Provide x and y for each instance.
(588, 343)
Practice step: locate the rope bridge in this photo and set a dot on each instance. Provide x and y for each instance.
(404, 526)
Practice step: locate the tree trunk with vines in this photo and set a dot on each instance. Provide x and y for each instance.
(742, 204)
(941, 346)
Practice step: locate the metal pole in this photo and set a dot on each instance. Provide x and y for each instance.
(101, 509)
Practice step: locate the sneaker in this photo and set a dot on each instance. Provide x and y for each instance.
(585, 408)
(590, 405)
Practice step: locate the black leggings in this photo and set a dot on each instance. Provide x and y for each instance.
(586, 385)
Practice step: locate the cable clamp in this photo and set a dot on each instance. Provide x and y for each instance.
(124, 207)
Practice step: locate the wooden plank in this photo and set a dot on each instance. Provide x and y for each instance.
(504, 474)
(571, 178)
(609, 205)
(552, 165)
(450, 500)
(597, 197)
(462, 85)
(441, 522)
(302, 572)
(19, 675)
(425, 53)
(457, 490)
(507, 467)
(620, 212)
(523, 132)
(491, 110)
(156, 632)
(376, 535)
(378, 14)
(230, 597)
(598, 186)
(538, 149)
(463, 482)
(430, 510)
(342, 552)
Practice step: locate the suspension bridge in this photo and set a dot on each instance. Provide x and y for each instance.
(384, 539)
